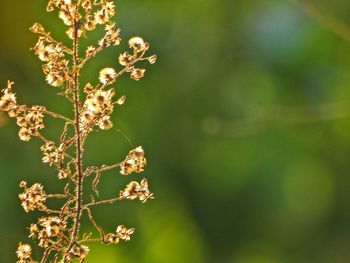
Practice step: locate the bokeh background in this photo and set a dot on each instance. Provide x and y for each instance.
(244, 120)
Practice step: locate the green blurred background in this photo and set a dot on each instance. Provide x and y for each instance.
(244, 120)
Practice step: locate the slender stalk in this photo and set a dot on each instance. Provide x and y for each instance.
(332, 23)
(46, 254)
(52, 114)
(78, 132)
(109, 201)
(109, 167)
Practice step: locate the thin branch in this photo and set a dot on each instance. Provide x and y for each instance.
(44, 139)
(52, 114)
(79, 188)
(109, 167)
(125, 69)
(56, 196)
(93, 222)
(90, 240)
(50, 211)
(108, 201)
(46, 254)
(329, 21)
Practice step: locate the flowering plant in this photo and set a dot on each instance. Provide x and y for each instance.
(58, 232)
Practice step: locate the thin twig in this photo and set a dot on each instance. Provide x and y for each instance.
(52, 114)
(93, 222)
(77, 131)
(329, 21)
(107, 201)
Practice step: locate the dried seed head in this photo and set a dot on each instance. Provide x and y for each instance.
(138, 44)
(88, 88)
(67, 14)
(111, 238)
(33, 231)
(50, 228)
(79, 252)
(23, 184)
(71, 32)
(86, 4)
(37, 29)
(135, 190)
(105, 123)
(134, 162)
(24, 252)
(124, 233)
(8, 98)
(125, 58)
(33, 197)
(90, 23)
(24, 134)
(152, 59)
(137, 73)
(107, 75)
(52, 154)
(63, 173)
(121, 100)
(103, 15)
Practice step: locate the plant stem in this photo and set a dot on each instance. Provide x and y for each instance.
(78, 133)
(109, 201)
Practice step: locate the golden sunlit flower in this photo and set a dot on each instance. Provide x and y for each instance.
(54, 79)
(124, 233)
(24, 134)
(33, 231)
(33, 197)
(138, 44)
(70, 33)
(135, 190)
(52, 154)
(125, 58)
(24, 251)
(107, 75)
(90, 51)
(121, 100)
(90, 24)
(105, 123)
(137, 73)
(152, 59)
(67, 16)
(134, 162)
(79, 252)
(8, 99)
(37, 29)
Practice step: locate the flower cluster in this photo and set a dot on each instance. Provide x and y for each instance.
(52, 154)
(53, 54)
(111, 37)
(24, 252)
(136, 190)
(122, 232)
(8, 99)
(30, 120)
(78, 252)
(134, 162)
(33, 197)
(97, 108)
(48, 229)
(127, 59)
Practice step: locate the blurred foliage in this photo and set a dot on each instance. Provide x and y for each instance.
(232, 183)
